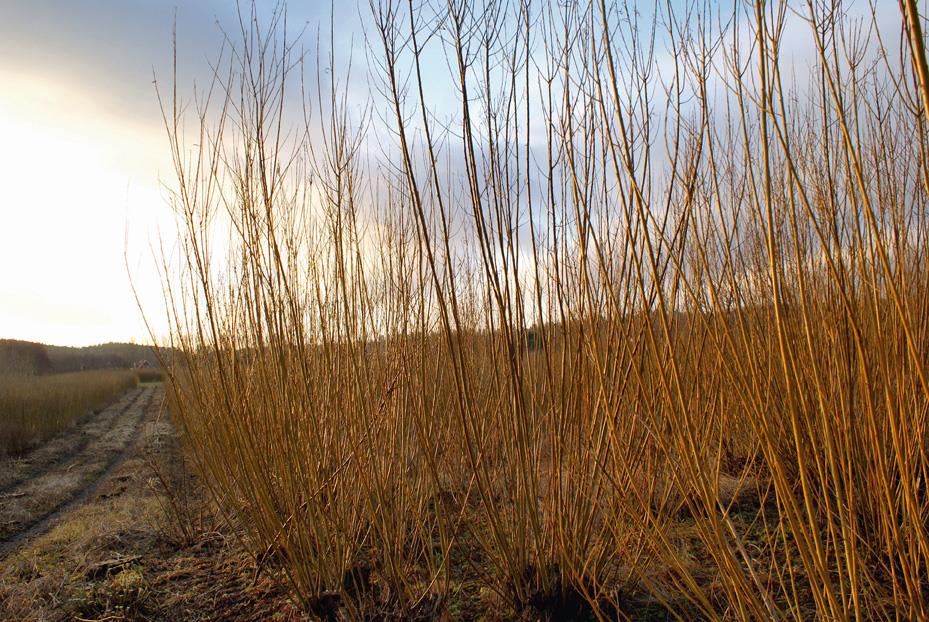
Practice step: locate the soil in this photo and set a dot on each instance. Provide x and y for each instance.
(65, 447)
(50, 483)
(105, 522)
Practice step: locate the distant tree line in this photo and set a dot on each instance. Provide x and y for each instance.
(24, 358)
(35, 359)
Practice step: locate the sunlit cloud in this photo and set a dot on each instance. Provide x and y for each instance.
(77, 185)
(83, 154)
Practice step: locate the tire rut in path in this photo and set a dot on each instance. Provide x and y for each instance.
(120, 439)
(67, 445)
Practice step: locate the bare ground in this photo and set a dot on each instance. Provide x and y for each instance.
(105, 522)
(64, 447)
(59, 480)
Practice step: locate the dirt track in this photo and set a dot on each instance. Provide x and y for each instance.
(106, 522)
(57, 477)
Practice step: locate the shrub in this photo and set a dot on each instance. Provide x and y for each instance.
(724, 399)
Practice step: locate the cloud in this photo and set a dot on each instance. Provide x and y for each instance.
(84, 155)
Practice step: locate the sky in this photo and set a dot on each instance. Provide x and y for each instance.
(84, 158)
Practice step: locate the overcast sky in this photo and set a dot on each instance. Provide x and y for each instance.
(83, 151)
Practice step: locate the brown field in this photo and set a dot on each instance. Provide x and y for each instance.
(33, 408)
(621, 335)
(635, 328)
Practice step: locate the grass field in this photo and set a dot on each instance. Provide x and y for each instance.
(32, 408)
(624, 334)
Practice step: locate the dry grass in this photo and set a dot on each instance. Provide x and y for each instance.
(33, 408)
(721, 410)
(117, 557)
(149, 375)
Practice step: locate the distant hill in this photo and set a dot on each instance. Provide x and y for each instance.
(29, 358)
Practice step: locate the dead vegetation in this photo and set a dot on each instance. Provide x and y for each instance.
(33, 408)
(722, 413)
(119, 556)
(45, 485)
